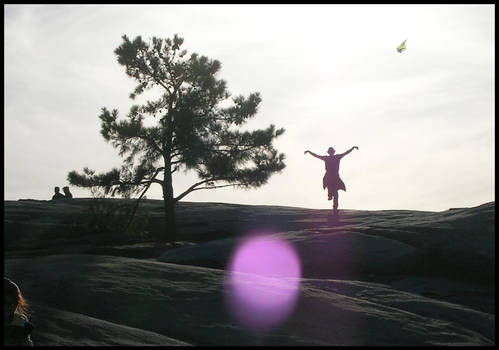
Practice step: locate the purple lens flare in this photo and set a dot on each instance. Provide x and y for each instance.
(263, 282)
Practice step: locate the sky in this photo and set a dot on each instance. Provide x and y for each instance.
(330, 75)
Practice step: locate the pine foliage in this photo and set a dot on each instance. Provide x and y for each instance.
(197, 126)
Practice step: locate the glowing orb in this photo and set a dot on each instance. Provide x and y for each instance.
(263, 282)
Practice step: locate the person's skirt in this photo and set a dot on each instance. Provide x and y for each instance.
(333, 183)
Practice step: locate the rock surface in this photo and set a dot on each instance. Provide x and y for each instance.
(376, 278)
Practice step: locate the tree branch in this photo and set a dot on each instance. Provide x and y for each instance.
(153, 179)
(190, 189)
(211, 187)
(151, 74)
(152, 142)
(175, 169)
(195, 188)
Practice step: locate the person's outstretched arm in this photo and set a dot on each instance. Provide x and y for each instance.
(350, 150)
(315, 155)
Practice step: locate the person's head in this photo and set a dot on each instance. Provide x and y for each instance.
(331, 151)
(65, 189)
(56, 189)
(13, 300)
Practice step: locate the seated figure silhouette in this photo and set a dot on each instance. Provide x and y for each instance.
(67, 194)
(17, 329)
(332, 179)
(57, 194)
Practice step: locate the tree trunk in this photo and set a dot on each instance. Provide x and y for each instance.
(170, 234)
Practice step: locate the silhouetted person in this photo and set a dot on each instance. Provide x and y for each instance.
(332, 178)
(16, 330)
(67, 194)
(57, 194)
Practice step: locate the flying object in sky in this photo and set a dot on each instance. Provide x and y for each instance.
(401, 46)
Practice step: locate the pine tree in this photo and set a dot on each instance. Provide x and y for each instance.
(197, 129)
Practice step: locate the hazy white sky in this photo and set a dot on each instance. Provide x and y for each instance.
(329, 74)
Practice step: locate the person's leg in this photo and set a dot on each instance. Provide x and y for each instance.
(335, 201)
(329, 194)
